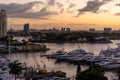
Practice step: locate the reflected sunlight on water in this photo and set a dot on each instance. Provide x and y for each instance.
(51, 63)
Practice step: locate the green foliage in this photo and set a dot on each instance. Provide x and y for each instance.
(91, 74)
(60, 37)
(90, 37)
(118, 73)
(15, 68)
(78, 68)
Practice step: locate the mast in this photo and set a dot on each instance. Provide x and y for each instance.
(78, 46)
(9, 44)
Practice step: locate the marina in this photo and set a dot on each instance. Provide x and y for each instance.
(8, 66)
(51, 64)
(59, 40)
(15, 46)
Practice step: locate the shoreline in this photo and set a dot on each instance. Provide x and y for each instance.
(72, 42)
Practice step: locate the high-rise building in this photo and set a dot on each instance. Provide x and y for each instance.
(26, 28)
(92, 30)
(65, 29)
(107, 30)
(3, 23)
(68, 30)
(62, 29)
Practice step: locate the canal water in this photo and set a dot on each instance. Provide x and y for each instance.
(51, 64)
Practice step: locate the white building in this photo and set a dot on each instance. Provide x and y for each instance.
(3, 23)
(92, 30)
(107, 29)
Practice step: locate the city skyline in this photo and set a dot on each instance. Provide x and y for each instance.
(79, 14)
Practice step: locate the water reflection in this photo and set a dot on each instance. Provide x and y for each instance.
(51, 63)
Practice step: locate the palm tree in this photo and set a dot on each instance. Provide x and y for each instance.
(78, 68)
(118, 73)
(91, 74)
(15, 69)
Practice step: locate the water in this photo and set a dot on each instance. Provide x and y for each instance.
(51, 63)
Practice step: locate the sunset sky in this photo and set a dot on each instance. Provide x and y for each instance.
(76, 14)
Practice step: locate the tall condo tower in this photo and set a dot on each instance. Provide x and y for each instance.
(26, 28)
(3, 23)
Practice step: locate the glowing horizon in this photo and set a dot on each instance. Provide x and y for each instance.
(54, 13)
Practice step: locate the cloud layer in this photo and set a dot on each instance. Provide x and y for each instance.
(92, 6)
(44, 10)
(35, 9)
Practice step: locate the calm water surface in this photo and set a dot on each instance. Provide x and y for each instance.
(51, 63)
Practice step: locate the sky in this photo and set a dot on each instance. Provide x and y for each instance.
(76, 14)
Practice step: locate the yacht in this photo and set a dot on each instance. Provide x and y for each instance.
(111, 51)
(57, 54)
(3, 48)
(5, 76)
(60, 52)
(77, 51)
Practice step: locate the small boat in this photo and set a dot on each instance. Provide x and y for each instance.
(110, 51)
(60, 52)
(3, 48)
(79, 51)
(57, 54)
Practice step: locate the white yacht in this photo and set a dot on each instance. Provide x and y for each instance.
(77, 52)
(111, 52)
